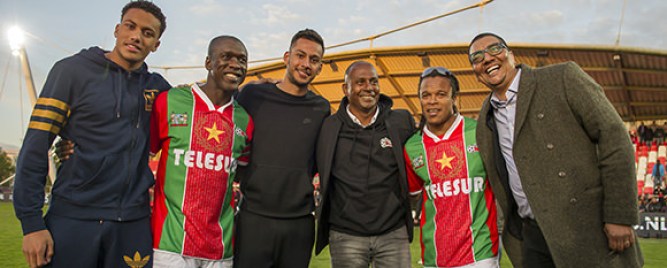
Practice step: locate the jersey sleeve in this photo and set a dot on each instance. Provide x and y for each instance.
(159, 123)
(415, 184)
(47, 120)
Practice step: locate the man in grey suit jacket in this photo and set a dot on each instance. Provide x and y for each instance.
(559, 160)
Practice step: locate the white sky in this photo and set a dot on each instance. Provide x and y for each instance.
(61, 28)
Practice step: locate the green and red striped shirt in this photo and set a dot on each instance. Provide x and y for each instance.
(201, 146)
(458, 219)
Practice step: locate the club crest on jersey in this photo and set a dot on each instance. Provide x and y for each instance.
(447, 162)
(385, 143)
(149, 96)
(418, 162)
(178, 120)
(472, 148)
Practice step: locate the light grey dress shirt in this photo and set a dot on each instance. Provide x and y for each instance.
(504, 113)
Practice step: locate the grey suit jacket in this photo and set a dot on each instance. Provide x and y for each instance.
(576, 165)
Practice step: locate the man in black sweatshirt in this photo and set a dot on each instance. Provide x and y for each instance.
(365, 212)
(275, 226)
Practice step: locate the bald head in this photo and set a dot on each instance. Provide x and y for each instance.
(215, 41)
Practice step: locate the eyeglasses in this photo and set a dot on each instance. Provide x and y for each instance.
(478, 56)
(440, 70)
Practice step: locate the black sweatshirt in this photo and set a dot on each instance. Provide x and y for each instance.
(278, 180)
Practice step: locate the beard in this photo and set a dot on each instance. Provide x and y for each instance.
(294, 81)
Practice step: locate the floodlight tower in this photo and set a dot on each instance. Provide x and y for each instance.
(16, 43)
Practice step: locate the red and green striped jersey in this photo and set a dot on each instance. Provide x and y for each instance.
(201, 146)
(458, 219)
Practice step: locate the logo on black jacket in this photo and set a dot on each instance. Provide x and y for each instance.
(385, 143)
(149, 96)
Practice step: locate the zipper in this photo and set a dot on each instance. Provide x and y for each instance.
(128, 151)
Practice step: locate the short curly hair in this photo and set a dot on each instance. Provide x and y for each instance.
(149, 7)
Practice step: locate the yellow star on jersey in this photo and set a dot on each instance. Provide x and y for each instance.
(445, 161)
(214, 132)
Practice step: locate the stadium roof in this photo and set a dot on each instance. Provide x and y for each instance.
(634, 80)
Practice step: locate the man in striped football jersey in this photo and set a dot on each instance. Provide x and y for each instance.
(458, 219)
(203, 133)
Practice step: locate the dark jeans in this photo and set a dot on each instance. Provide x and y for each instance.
(389, 250)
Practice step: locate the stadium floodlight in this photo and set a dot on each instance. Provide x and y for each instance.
(16, 39)
(16, 43)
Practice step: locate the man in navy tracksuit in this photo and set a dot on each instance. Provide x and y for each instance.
(101, 101)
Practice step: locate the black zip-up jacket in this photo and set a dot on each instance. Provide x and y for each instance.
(105, 111)
(400, 126)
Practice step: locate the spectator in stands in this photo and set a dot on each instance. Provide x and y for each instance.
(658, 174)
(559, 160)
(658, 134)
(641, 204)
(641, 131)
(648, 136)
(633, 136)
(655, 205)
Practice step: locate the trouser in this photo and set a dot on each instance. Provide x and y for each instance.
(273, 242)
(535, 249)
(388, 250)
(100, 243)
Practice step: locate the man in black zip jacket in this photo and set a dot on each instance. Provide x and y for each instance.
(100, 100)
(365, 214)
